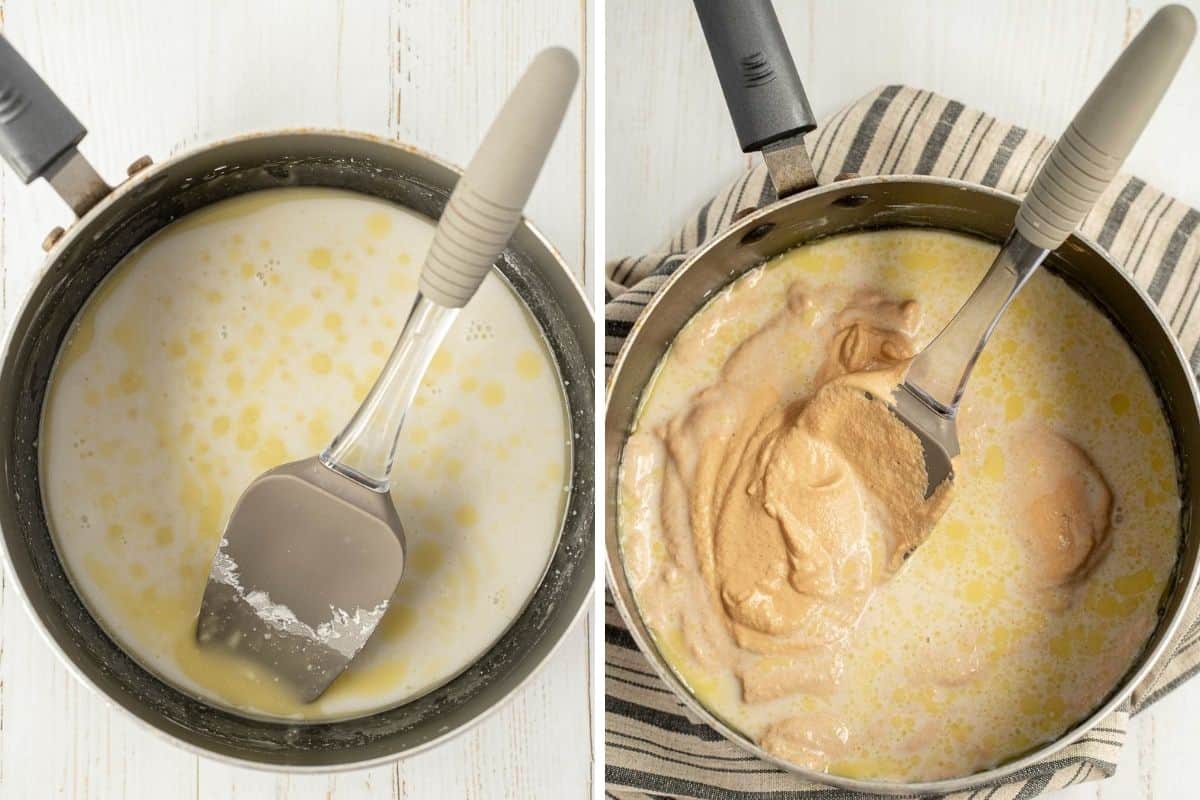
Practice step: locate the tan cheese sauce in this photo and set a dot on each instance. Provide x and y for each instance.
(780, 549)
(243, 337)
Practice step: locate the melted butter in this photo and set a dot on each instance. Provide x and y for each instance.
(979, 647)
(241, 337)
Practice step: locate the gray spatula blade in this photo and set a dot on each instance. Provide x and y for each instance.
(305, 571)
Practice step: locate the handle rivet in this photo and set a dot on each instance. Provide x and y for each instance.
(138, 166)
(757, 233)
(852, 200)
(52, 238)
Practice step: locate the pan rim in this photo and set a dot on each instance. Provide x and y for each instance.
(626, 603)
(81, 226)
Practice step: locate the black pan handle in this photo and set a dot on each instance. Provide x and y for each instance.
(38, 134)
(757, 74)
(36, 128)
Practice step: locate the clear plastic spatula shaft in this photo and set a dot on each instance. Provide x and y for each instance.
(314, 550)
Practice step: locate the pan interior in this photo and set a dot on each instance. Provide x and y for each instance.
(252, 164)
(870, 204)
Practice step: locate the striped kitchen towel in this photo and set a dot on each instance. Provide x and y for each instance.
(653, 745)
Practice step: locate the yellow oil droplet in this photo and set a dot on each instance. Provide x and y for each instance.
(955, 529)
(398, 621)
(399, 282)
(332, 321)
(125, 334)
(1135, 583)
(453, 467)
(1145, 424)
(230, 355)
(418, 435)
(295, 316)
(450, 416)
(320, 258)
(271, 454)
(466, 515)
(1013, 407)
(378, 347)
(378, 224)
(469, 384)
(190, 495)
(164, 536)
(1119, 403)
(115, 532)
(529, 366)
(321, 363)
(492, 394)
(220, 425)
(1061, 645)
(213, 297)
(131, 381)
(426, 557)
(247, 435)
(247, 269)
(918, 261)
(319, 433)
(236, 382)
(993, 463)
(1110, 606)
(441, 361)
(348, 281)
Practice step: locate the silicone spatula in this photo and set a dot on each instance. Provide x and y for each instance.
(314, 549)
(1079, 168)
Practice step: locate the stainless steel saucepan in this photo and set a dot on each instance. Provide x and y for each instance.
(771, 115)
(38, 138)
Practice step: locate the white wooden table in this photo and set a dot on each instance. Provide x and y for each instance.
(670, 145)
(159, 77)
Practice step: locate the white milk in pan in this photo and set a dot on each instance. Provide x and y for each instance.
(243, 337)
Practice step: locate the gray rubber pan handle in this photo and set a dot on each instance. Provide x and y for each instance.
(36, 129)
(757, 74)
(1088, 155)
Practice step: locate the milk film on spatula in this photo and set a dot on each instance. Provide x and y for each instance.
(315, 549)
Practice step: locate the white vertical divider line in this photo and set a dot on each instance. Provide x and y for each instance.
(596, 187)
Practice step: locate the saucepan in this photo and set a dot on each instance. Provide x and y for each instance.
(771, 114)
(38, 137)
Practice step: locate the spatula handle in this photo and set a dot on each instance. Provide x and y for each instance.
(1078, 169)
(486, 205)
(1088, 155)
(475, 227)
